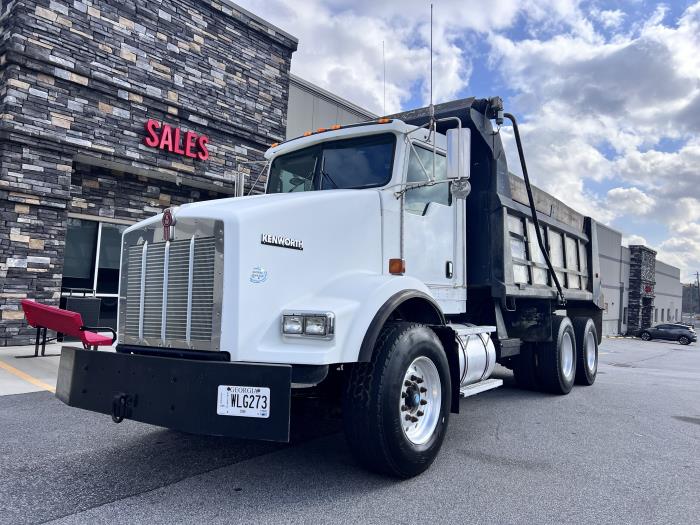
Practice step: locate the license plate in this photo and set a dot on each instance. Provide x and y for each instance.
(243, 401)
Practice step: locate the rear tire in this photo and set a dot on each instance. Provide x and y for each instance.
(556, 360)
(378, 397)
(587, 350)
(645, 336)
(684, 340)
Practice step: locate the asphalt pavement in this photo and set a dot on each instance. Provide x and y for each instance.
(625, 450)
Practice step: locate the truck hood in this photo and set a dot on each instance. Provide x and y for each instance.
(282, 252)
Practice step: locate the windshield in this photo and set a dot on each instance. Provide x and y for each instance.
(363, 162)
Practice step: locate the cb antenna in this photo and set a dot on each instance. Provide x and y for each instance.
(432, 108)
(384, 65)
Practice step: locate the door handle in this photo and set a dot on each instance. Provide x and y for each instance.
(449, 270)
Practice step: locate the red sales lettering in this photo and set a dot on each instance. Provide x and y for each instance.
(174, 140)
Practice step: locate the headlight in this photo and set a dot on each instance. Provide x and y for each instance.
(293, 324)
(311, 324)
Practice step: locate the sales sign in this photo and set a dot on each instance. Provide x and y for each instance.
(169, 138)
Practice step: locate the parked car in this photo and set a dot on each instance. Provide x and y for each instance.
(682, 333)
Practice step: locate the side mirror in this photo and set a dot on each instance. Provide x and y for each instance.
(458, 153)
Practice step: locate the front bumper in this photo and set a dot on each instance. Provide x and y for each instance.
(175, 393)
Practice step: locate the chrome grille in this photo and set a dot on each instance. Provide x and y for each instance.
(153, 293)
(171, 292)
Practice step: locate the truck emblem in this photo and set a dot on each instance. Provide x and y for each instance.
(281, 241)
(258, 275)
(168, 222)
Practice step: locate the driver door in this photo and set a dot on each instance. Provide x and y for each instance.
(430, 236)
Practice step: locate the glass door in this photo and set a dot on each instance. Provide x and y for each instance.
(91, 264)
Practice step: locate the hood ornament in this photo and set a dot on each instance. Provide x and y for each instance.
(168, 223)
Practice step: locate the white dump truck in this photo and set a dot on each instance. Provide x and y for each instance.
(398, 258)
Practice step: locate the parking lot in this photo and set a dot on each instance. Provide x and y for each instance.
(622, 451)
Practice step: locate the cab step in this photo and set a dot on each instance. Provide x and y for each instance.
(481, 386)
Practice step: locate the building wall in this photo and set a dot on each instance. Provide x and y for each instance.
(311, 107)
(611, 280)
(668, 293)
(78, 82)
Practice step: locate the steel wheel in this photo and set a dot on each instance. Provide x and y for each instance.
(587, 350)
(590, 352)
(567, 356)
(420, 402)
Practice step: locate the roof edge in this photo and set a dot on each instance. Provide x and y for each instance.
(271, 27)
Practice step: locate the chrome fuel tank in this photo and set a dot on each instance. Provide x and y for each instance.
(477, 353)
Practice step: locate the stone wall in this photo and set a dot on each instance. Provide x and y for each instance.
(78, 81)
(641, 288)
(101, 192)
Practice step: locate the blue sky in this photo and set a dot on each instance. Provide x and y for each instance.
(608, 92)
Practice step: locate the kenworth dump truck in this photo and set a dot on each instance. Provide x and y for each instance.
(398, 259)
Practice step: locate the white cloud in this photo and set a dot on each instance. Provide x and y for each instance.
(609, 18)
(629, 201)
(633, 239)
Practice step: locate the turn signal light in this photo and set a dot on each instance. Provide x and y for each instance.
(397, 266)
(274, 144)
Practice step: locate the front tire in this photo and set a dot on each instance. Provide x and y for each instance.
(684, 340)
(587, 350)
(557, 359)
(396, 407)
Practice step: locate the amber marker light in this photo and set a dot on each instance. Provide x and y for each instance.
(335, 126)
(383, 121)
(307, 133)
(397, 266)
(321, 130)
(274, 144)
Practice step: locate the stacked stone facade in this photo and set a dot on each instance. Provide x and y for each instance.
(78, 81)
(641, 288)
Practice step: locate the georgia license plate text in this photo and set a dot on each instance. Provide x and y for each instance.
(243, 401)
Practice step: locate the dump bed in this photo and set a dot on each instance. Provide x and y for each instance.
(503, 256)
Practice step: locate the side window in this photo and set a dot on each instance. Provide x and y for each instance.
(417, 200)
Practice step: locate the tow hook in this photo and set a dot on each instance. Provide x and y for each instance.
(121, 406)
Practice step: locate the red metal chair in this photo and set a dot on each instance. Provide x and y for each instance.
(43, 317)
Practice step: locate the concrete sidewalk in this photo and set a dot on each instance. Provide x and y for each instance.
(20, 375)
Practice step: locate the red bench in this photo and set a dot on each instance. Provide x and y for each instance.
(43, 317)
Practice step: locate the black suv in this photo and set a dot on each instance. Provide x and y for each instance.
(682, 333)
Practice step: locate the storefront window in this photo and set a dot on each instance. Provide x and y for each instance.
(110, 251)
(91, 263)
(79, 258)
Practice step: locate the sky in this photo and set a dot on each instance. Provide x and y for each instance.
(607, 92)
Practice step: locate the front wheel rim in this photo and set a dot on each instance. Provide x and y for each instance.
(684, 340)
(567, 356)
(420, 401)
(590, 352)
